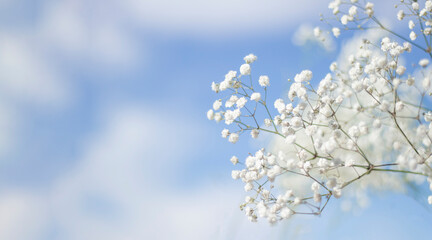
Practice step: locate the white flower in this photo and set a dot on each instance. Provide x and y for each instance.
(254, 133)
(331, 183)
(411, 24)
(426, 82)
(333, 66)
(430, 200)
(217, 104)
(241, 102)
(245, 69)
(399, 106)
(354, 132)
(336, 31)
(315, 186)
(415, 6)
(337, 192)
(296, 122)
(250, 59)
(428, 116)
(400, 70)
(304, 76)
(264, 81)
(235, 174)
(369, 9)
(352, 11)
(256, 96)
(234, 160)
(410, 81)
(215, 87)
(218, 117)
(210, 114)
(279, 105)
(230, 76)
(311, 130)
(424, 62)
(286, 213)
(400, 15)
(345, 19)
(428, 5)
(233, 137)
(248, 187)
(225, 133)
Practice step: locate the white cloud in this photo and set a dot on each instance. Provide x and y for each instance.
(119, 190)
(124, 186)
(221, 17)
(23, 215)
(26, 75)
(96, 34)
(305, 34)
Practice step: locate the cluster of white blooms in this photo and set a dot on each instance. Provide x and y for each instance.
(369, 118)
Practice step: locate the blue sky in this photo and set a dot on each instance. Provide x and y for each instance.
(104, 134)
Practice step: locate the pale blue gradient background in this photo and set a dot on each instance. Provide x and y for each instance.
(103, 127)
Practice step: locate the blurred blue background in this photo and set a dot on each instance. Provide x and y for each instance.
(103, 133)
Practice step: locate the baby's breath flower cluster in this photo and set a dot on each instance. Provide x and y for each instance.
(368, 118)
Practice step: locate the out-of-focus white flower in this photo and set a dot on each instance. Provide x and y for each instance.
(424, 62)
(264, 81)
(245, 69)
(250, 58)
(336, 31)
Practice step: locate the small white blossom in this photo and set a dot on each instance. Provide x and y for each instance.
(428, 116)
(233, 137)
(337, 192)
(241, 102)
(217, 104)
(304, 76)
(336, 31)
(344, 19)
(264, 81)
(411, 24)
(400, 70)
(245, 69)
(286, 213)
(333, 66)
(225, 133)
(424, 62)
(254, 133)
(234, 160)
(250, 59)
(210, 114)
(400, 15)
(248, 187)
(369, 9)
(352, 11)
(215, 87)
(428, 5)
(399, 106)
(256, 96)
(413, 36)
